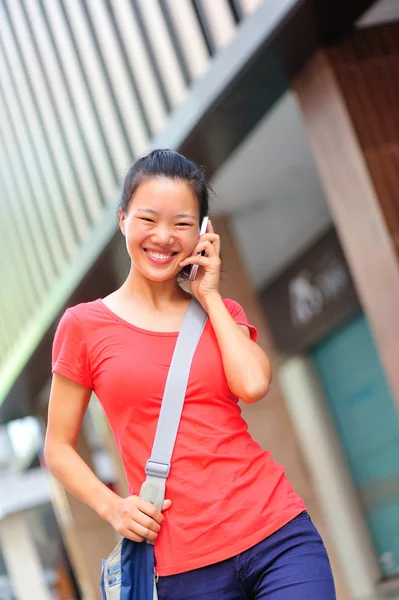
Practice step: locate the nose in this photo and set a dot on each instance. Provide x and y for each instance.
(163, 235)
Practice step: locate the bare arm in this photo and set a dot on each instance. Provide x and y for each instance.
(132, 517)
(246, 365)
(68, 404)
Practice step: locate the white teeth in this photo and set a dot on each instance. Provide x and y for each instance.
(159, 256)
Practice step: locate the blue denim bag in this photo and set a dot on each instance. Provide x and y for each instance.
(128, 572)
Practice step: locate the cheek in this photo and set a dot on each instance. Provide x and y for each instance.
(134, 237)
(189, 243)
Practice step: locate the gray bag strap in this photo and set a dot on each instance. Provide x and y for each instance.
(158, 466)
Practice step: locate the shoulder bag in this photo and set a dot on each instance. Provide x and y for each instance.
(129, 571)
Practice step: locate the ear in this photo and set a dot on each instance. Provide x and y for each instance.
(121, 216)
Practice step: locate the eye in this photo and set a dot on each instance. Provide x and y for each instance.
(147, 219)
(183, 224)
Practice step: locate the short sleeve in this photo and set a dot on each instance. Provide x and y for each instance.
(239, 316)
(70, 355)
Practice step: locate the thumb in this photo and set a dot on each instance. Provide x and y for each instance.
(167, 504)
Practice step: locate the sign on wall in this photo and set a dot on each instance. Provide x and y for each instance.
(314, 294)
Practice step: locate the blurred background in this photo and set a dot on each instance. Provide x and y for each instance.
(293, 108)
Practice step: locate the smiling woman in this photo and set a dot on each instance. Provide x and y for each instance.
(227, 500)
(161, 235)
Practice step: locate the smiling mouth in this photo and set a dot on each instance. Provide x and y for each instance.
(160, 257)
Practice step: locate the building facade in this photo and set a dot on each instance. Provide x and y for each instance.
(292, 107)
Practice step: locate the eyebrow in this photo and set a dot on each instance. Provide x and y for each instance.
(185, 216)
(179, 216)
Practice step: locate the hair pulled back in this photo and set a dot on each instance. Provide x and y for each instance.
(169, 164)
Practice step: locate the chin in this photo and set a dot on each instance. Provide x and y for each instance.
(159, 277)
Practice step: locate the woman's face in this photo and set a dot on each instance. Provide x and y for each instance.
(161, 227)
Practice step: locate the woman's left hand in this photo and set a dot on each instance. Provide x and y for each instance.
(208, 276)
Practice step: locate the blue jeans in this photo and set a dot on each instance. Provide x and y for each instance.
(291, 564)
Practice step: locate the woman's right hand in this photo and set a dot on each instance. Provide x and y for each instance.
(136, 519)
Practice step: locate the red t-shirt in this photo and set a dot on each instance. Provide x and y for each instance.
(227, 492)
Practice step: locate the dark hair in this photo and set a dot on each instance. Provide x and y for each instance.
(170, 164)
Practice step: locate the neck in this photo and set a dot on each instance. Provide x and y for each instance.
(154, 293)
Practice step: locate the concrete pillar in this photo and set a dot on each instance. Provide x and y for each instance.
(22, 560)
(349, 96)
(338, 499)
(269, 420)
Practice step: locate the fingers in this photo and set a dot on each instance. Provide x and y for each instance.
(214, 238)
(202, 261)
(143, 532)
(146, 522)
(207, 246)
(210, 228)
(167, 504)
(211, 255)
(141, 520)
(150, 510)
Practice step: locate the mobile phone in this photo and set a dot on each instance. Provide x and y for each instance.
(194, 268)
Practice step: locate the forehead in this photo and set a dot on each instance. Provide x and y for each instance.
(166, 196)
